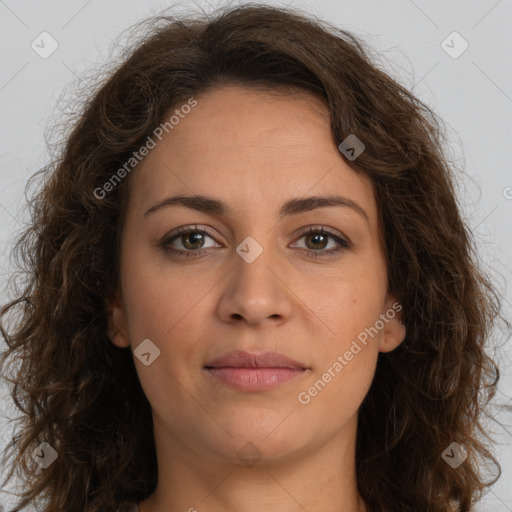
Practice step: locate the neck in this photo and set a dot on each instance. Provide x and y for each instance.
(321, 479)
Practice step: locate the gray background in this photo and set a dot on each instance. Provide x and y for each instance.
(472, 93)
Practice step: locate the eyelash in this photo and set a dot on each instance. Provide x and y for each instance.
(167, 240)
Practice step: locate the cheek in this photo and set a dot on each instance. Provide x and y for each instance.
(169, 308)
(346, 358)
(347, 301)
(335, 395)
(158, 298)
(349, 306)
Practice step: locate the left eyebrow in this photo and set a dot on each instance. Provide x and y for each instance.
(294, 206)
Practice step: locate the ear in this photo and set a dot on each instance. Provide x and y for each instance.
(117, 325)
(394, 331)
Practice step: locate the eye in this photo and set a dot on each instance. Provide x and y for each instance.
(317, 239)
(192, 241)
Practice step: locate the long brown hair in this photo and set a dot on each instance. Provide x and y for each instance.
(81, 394)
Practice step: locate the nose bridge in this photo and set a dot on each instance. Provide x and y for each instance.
(252, 269)
(254, 291)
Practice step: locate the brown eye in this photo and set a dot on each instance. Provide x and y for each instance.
(317, 241)
(191, 241)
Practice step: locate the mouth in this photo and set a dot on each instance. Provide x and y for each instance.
(247, 371)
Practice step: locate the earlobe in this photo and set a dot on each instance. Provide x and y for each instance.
(394, 330)
(117, 326)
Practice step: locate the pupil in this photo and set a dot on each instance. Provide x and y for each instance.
(197, 236)
(317, 236)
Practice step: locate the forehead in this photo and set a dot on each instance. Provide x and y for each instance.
(253, 148)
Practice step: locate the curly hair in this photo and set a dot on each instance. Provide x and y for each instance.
(81, 394)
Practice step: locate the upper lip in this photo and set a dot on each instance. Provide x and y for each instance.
(242, 359)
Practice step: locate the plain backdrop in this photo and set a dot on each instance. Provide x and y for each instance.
(469, 88)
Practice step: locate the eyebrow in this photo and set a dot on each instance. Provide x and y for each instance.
(295, 206)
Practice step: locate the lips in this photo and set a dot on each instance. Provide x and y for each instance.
(242, 359)
(246, 371)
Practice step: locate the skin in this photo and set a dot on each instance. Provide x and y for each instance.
(254, 151)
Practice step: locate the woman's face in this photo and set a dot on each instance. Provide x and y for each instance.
(255, 282)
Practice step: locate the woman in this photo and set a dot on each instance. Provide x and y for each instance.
(251, 287)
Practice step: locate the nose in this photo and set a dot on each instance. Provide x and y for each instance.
(255, 293)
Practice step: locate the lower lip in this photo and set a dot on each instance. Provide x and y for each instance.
(254, 379)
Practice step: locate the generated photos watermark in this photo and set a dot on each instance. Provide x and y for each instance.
(304, 397)
(143, 151)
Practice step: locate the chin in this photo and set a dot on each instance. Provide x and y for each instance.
(271, 436)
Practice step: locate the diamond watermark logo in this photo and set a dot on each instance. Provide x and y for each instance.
(454, 45)
(249, 249)
(44, 45)
(455, 455)
(147, 352)
(351, 147)
(44, 455)
(249, 454)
